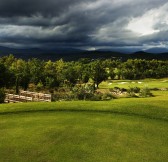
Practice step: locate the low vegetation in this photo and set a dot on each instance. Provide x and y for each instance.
(37, 75)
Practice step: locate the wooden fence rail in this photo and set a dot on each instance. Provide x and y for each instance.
(27, 96)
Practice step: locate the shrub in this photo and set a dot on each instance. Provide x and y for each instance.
(66, 96)
(96, 97)
(2, 95)
(145, 92)
(132, 91)
(39, 86)
(107, 96)
(123, 89)
(31, 87)
(83, 92)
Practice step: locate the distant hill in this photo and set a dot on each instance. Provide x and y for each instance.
(149, 56)
(75, 54)
(157, 50)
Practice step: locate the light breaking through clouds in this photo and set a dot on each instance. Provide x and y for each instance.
(84, 24)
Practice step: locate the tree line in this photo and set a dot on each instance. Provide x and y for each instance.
(19, 73)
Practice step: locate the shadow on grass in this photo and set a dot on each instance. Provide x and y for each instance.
(132, 114)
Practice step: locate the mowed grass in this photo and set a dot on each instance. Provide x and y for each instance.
(121, 130)
(151, 83)
(82, 137)
(152, 107)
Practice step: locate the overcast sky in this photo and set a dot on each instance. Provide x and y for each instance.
(87, 24)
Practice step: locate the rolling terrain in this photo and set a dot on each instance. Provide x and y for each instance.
(71, 54)
(126, 129)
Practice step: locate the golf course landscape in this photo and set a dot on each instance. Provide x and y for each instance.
(119, 130)
(84, 81)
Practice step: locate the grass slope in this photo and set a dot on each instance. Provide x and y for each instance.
(153, 107)
(127, 130)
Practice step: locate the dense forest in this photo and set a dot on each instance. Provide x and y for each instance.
(17, 73)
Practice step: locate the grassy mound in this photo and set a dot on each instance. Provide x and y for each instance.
(153, 107)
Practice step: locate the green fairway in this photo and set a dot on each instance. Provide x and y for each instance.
(151, 83)
(126, 130)
(69, 136)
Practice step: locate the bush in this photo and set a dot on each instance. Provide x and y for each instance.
(132, 91)
(123, 89)
(96, 97)
(145, 92)
(83, 92)
(2, 95)
(65, 96)
(107, 96)
(39, 86)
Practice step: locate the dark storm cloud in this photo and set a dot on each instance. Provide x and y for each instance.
(14, 8)
(78, 23)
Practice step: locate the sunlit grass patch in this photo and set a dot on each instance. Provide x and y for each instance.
(151, 83)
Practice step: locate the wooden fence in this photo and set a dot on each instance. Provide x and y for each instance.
(27, 96)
